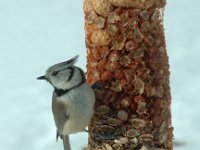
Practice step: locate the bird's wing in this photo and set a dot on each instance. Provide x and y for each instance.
(60, 114)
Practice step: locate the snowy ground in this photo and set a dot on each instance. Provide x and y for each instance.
(37, 33)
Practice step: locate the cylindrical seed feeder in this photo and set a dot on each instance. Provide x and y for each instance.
(126, 51)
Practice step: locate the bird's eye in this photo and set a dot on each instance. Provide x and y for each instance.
(54, 73)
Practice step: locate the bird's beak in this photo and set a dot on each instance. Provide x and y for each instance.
(42, 78)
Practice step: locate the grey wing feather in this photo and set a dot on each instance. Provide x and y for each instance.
(59, 112)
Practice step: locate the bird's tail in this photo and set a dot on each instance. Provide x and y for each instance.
(66, 143)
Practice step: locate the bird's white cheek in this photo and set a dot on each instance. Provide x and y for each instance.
(58, 84)
(62, 85)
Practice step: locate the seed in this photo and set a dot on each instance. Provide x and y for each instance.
(127, 33)
(157, 42)
(125, 61)
(129, 75)
(162, 138)
(114, 56)
(100, 21)
(162, 49)
(162, 135)
(104, 51)
(103, 109)
(113, 17)
(122, 115)
(159, 92)
(137, 53)
(112, 30)
(144, 148)
(130, 45)
(139, 85)
(95, 56)
(144, 15)
(141, 109)
(118, 43)
(133, 146)
(138, 123)
(149, 40)
(100, 38)
(145, 138)
(160, 3)
(124, 19)
(146, 3)
(109, 97)
(134, 140)
(116, 86)
(96, 74)
(114, 122)
(133, 133)
(102, 7)
(106, 146)
(138, 36)
(132, 24)
(99, 94)
(164, 104)
(112, 66)
(117, 147)
(107, 129)
(87, 6)
(125, 102)
(154, 28)
(156, 16)
(90, 18)
(101, 65)
(145, 26)
(93, 65)
(121, 140)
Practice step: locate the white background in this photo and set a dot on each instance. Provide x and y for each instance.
(35, 34)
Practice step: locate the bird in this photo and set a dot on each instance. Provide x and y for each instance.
(73, 99)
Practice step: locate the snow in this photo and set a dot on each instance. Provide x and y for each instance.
(35, 34)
